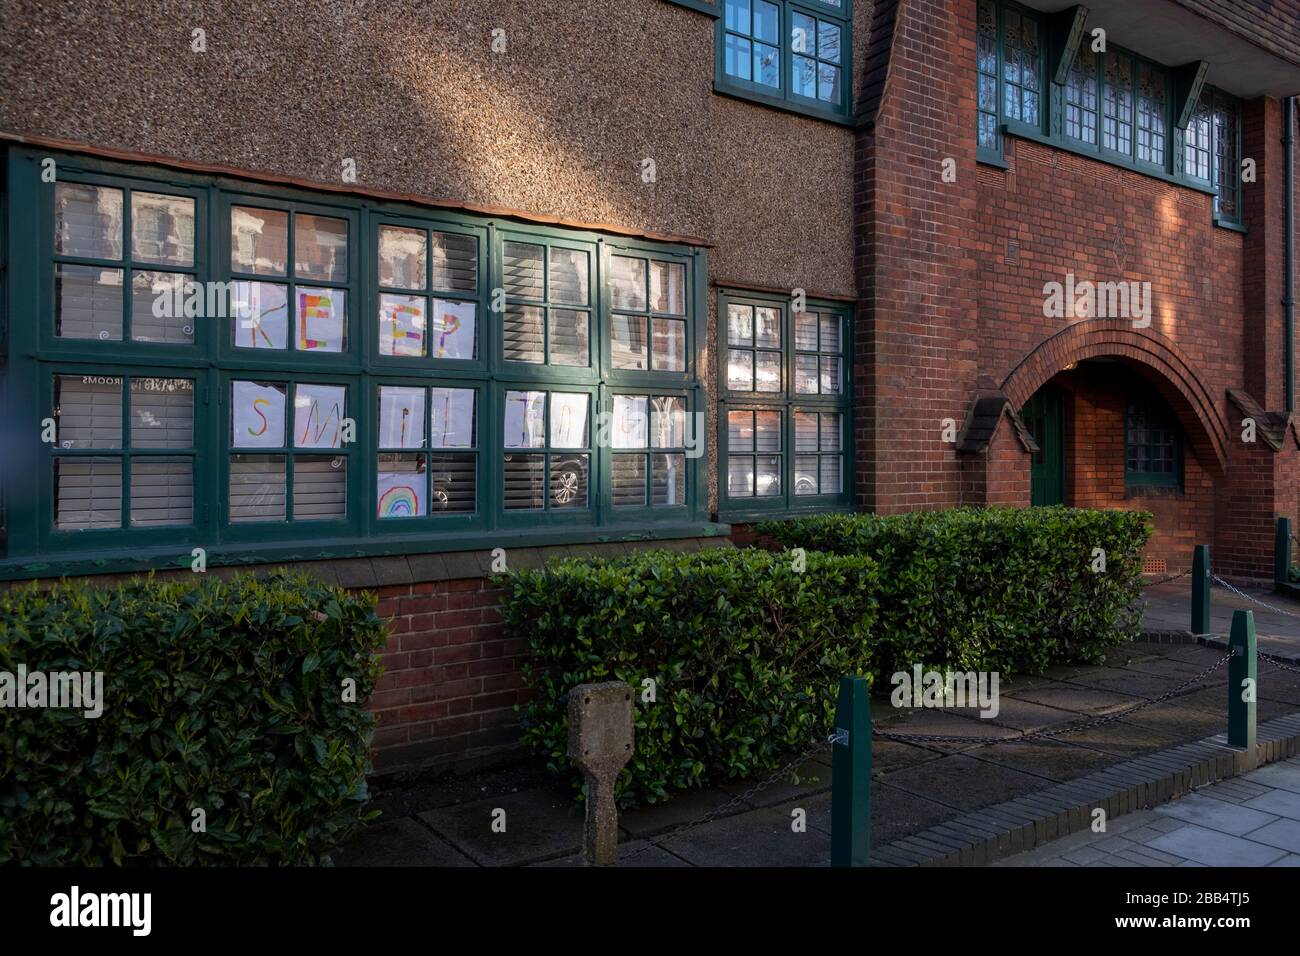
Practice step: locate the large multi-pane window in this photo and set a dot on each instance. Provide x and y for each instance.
(1212, 150)
(784, 414)
(236, 367)
(792, 53)
(1153, 443)
(1113, 104)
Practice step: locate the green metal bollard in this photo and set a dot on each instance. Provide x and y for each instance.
(1243, 673)
(1201, 589)
(1282, 552)
(851, 775)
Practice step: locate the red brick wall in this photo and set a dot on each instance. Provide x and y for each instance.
(451, 677)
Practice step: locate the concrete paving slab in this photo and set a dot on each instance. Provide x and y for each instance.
(1216, 849)
(1284, 776)
(1283, 803)
(1215, 814)
(1046, 758)
(1291, 860)
(896, 813)
(1284, 834)
(757, 838)
(1078, 698)
(539, 825)
(1122, 681)
(402, 842)
(1185, 723)
(636, 853)
(685, 807)
(1127, 740)
(964, 783)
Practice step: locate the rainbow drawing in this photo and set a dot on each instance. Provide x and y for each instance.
(313, 307)
(258, 405)
(399, 501)
(322, 424)
(451, 325)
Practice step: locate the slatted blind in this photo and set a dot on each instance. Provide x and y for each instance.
(455, 262)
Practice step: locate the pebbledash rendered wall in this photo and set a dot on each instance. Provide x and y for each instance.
(555, 128)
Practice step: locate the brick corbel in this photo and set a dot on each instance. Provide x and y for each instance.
(982, 417)
(1272, 427)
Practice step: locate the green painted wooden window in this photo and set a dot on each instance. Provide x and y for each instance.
(1153, 453)
(243, 368)
(794, 55)
(1010, 73)
(1212, 150)
(786, 406)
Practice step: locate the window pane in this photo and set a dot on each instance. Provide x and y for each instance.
(668, 480)
(828, 41)
(401, 417)
(668, 338)
(830, 431)
(627, 473)
(740, 431)
(667, 422)
(87, 221)
(668, 287)
(525, 420)
(403, 257)
(767, 476)
(455, 262)
(767, 327)
(740, 371)
(830, 375)
(767, 372)
(400, 486)
(805, 475)
(455, 330)
(767, 65)
(830, 477)
(803, 34)
(803, 78)
(569, 272)
(158, 307)
(257, 488)
(805, 331)
(630, 427)
(828, 86)
(322, 319)
(805, 374)
(805, 431)
(259, 240)
(740, 476)
(402, 324)
(454, 483)
(569, 481)
(320, 487)
(767, 431)
(740, 324)
(162, 413)
(162, 230)
(320, 248)
(256, 415)
(628, 342)
(87, 302)
(737, 14)
(522, 334)
(318, 413)
(523, 270)
(87, 493)
(525, 481)
(568, 424)
(162, 491)
(89, 411)
(569, 335)
(767, 21)
(451, 417)
(737, 60)
(830, 326)
(627, 280)
(261, 315)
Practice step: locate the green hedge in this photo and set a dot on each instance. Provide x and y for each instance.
(220, 695)
(745, 651)
(996, 589)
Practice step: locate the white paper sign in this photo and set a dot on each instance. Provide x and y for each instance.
(525, 422)
(261, 315)
(451, 418)
(257, 415)
(452, 333)
(402, 324)
(569, 419)
(401, 494)
(401, 417)
(320, 319)
(318, 412)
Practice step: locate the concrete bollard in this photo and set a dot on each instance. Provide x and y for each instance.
(600, 743)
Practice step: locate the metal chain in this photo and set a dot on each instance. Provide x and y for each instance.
(1240, 593)
(1167, 579)
(734, 801)
(1278, 662)
(1049, 734)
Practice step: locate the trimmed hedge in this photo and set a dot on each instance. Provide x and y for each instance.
(745, 651)
(219, 695)
(993, 589)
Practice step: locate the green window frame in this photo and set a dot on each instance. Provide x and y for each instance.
(791, 54)
(1116, 106)
(322, 316)
(785, 408)
(1153, 443)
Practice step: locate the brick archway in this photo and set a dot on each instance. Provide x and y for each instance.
(1155, 356)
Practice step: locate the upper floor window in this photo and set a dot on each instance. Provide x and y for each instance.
(236, 366)
(1212, 150)
(785, 411)
(789, 53)
(1009, 65)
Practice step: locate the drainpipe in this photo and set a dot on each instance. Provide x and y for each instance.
(1288, 303)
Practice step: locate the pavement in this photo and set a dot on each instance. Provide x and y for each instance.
(1252, 820)
(521, 816)
(1169, 609)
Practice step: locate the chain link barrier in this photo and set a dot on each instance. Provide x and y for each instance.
(1240, 593)
(1167, 578)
